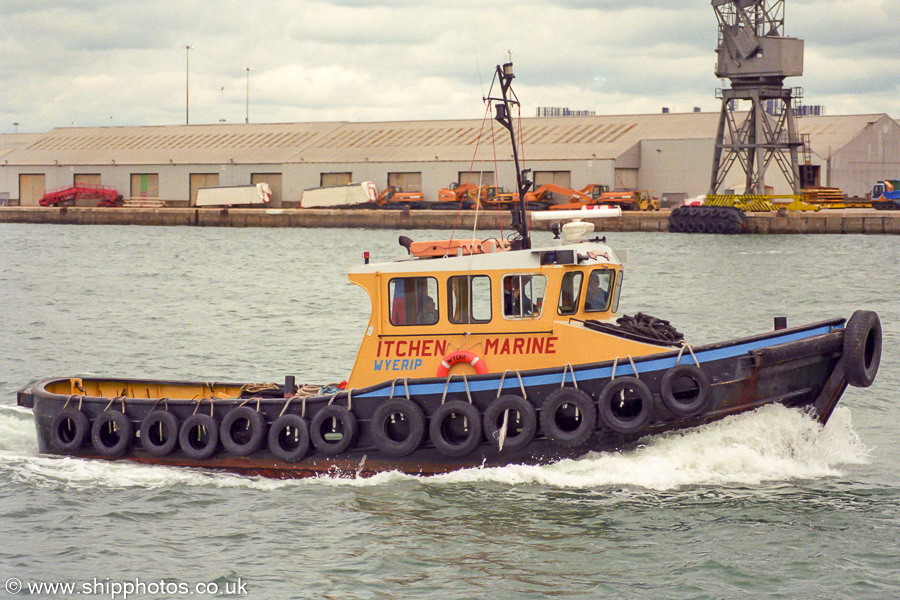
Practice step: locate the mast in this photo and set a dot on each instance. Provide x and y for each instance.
(523, 181)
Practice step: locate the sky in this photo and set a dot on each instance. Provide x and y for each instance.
(110, 63)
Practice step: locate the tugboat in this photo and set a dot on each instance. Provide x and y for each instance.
(478, 352)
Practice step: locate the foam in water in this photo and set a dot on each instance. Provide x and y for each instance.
(770, 444)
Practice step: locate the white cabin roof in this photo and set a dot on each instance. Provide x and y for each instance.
(592, 253)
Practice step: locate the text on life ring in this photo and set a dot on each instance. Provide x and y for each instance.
(458, 357)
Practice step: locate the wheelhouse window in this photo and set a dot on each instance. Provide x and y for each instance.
(413, 301)
(615, 302)
(523, 296)
(570, 292)
(597, 297)
(469, 298)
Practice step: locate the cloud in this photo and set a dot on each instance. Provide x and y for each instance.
(122, 62)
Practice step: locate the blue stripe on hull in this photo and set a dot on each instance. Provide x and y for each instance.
(592, 374)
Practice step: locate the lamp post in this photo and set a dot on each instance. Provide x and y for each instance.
(187, 84)
(247, 118)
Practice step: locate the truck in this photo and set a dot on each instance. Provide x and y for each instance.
(885, 195)
(237, 195)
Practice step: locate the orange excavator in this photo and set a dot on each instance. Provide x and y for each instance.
(393, 196)
(596, 193)
(459, 193)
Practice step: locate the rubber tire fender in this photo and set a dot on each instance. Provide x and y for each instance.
(380, 420)
(168, 422)
(862, 348)
(81, 430)
(585, 405)
(699, 404)
(125, 433)
(609, 394)
(436, 428)
(192, 450)
(494, 414)
(256, 424)
(301, 426)
(349, 427)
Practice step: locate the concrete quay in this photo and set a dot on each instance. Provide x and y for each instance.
(859, 221)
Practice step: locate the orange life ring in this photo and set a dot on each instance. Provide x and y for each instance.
(461, 356)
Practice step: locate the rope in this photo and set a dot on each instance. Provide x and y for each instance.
(691, 350)
(502, 378)
(199, 402)
(349, 399)
(615, 364)
(119, 398)
(302, 405)
(405, 386)
(80, 400)
(258, 388)
(521, 385)
(447, 385)
(287, 402)
(569, 368)
(158, 400)
(634, 368)
(257, 398)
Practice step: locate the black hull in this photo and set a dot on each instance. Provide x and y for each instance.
(806, 367)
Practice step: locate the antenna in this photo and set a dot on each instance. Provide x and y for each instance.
(523, 179)
(756, 57)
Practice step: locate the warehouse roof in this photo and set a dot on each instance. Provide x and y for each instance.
(561, 138)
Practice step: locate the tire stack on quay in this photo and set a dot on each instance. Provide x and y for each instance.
(707, 219)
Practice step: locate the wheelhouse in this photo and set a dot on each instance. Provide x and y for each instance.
(510, 309)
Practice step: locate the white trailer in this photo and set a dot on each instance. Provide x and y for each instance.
(335, 196)
(237, 195)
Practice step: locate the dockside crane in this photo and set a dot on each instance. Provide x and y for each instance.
(754, 54)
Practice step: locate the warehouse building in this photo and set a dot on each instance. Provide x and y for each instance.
(668, 153)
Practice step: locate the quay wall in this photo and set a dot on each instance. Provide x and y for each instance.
(864, 221)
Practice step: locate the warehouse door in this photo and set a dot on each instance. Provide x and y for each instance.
(274, 181)
(333, 179)
(626, 179)
(32, 188)
(87, 179)
(408, 182)
(476, 177)
(560, 178)
(199, 180)
(145, 185)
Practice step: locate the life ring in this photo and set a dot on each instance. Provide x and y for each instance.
(862, 348)
(112, 433)
(242, 431)
(289, 438)
(569, 417)
(198, 437)
(398, 427)
(455, 428)
(689, 401)
(521, 422)
(330, 420)
(458, 357)
(626, 416)
(159, 432)
(69, 429)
